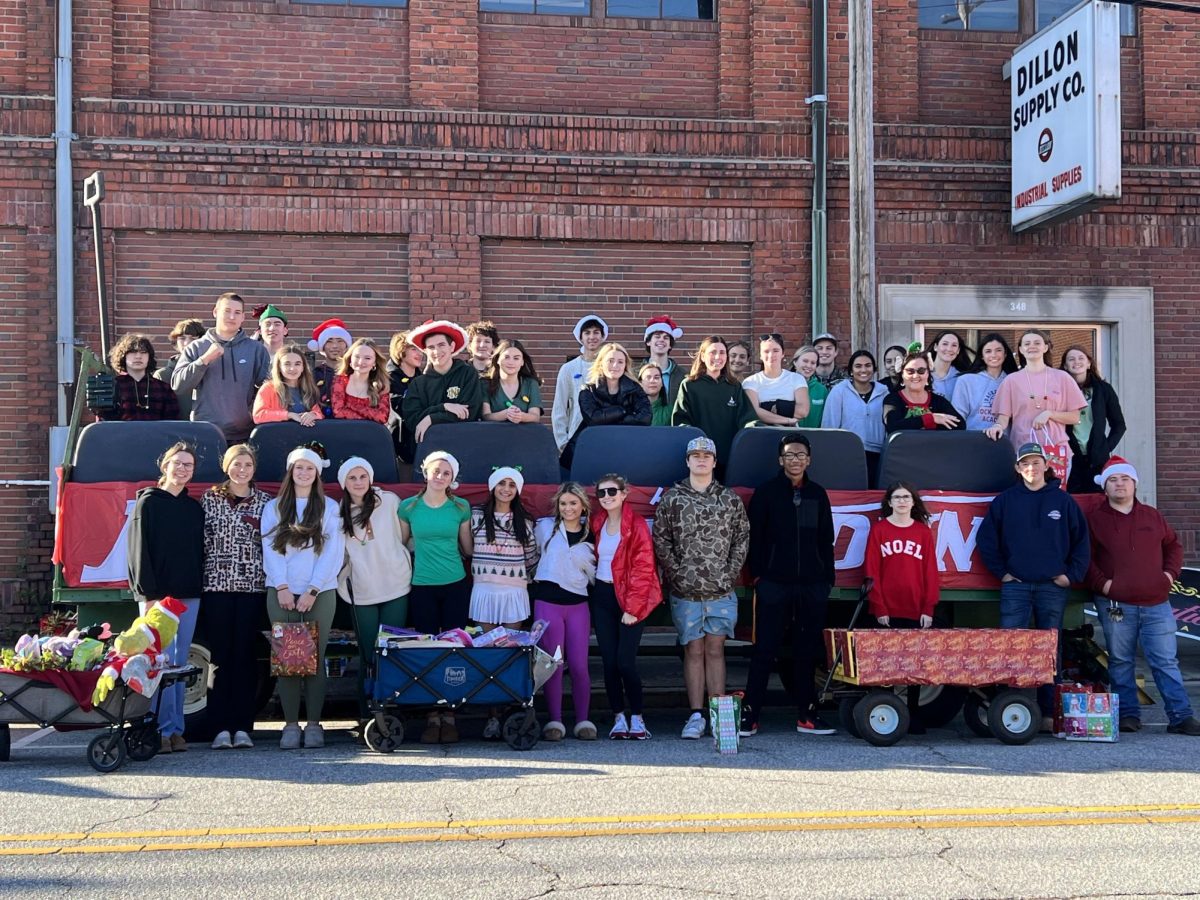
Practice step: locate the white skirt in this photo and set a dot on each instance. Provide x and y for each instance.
(499, 603)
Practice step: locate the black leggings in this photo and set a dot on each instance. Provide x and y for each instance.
(434, 608)
(232, 624)
(618, 649)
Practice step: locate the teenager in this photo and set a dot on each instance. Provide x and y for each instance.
(659, 338)
(184, 332)
(330, 341)
(482, 338)
(166, 559)
(739, 361)
(712, 401)
(609, 397)
(223, 371)
(915, 406)
(449, 389)
(360, 389)
(590, 332)
(779, 396)
(893, 362)
(1101, 423)
(805, 364)
(975, 392)
(856, 405)
(290, 395)
(948, 359)
(1036, 399)
(234, 595)
(303, 550)
(437, 525)
(405, 361)
(565, 572)
(272, 328)
(140, 397)
(828, 372)
(701, 537)
(510, 387)
(650, 378)
(627, 590)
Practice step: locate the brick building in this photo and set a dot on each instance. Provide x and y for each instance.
(533, 159)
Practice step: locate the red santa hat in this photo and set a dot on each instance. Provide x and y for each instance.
(453, 333)
(330, 328)
(665, 324)
(1116, 465)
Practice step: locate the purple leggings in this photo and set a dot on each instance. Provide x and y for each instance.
(569, 627)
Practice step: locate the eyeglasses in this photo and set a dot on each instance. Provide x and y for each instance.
(915, 371)
(901, 498)
(607, 492)
(180, 464)
(792, 457)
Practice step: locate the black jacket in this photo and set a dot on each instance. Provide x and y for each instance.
(629, 406)
(166, 545)
(789, 542)
(1108, 425)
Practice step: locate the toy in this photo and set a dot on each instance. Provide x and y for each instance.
(137, 651)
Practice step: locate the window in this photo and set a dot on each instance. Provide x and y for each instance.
(968, 15)
(662, 9)
(354, 2)
(1049, 10)
(544, 7)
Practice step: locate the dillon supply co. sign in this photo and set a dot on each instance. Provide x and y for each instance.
(1066, 116)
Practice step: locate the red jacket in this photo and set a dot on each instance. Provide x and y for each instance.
(635, 574)
(1133, 549)
(903, 564)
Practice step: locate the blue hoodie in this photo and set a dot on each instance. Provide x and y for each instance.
(1035, 535)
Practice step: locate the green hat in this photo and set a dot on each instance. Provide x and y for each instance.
(272, 312)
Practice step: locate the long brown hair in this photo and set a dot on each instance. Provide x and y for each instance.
(698, 367)
(371, 502)
(919, 512)
(308, 531)
(305, 383)
(1093, 374)
(492, 376)
(377, 381)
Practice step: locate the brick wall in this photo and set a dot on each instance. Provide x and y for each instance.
(12, 46)
(1171, 68)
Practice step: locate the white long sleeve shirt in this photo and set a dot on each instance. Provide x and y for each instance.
(565, 415)
(301, 569)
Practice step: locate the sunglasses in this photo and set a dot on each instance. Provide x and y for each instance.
(607, 492)
(915, 371)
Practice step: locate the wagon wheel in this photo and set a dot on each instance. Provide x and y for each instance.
(521, 730)
(142, 742)
(940, 703)
(106, 752)
(384, 739)
(881, 718)
(5, 743)
(846, 715)
(975, 713)
(1014, 718)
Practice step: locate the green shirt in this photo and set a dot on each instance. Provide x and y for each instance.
(1083, 430)
(528, 395)
(817, 392)
(436, 557)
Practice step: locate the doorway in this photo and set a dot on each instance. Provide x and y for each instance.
(1092, 337)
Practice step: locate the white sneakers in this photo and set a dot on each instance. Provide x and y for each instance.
(620, 729)
(693, 729)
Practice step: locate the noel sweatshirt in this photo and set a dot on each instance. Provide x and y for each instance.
(903, 565)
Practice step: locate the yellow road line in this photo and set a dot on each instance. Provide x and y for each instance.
(447, 836)
(638, 818)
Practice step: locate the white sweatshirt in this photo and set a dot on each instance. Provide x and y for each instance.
(300, 569)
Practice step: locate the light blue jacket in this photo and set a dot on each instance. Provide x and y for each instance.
(845, 408)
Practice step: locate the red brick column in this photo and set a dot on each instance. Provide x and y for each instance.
(444, 277)
(93, 48)
(780, 76)
(131, 48)
(443, 47)
(733, 89)
(1170, 69)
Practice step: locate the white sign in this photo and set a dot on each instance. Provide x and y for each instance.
(1066, 116)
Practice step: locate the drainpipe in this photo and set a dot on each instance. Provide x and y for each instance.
(819, 102)
(64, 213)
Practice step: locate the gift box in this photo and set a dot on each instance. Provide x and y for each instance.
(1060, 690)
(725, 716)
(1091, 716)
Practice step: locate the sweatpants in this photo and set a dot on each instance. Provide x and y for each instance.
(779, 610)
(311, 686)
(170, 699)
(367, 619)
(231, 625)
(618, 650)
(567, 626)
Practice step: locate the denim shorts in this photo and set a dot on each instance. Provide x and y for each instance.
(695, 618)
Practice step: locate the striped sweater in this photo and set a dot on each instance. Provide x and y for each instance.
(505, 560)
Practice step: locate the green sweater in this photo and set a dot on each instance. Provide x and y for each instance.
(817, 392)
(429, 392)
(717, 408)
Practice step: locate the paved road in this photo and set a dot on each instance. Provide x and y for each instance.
(944, 815)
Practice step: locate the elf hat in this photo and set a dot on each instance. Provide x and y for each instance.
(330, 328)
(270, 311)
(445, 457)
(1116, 465)
(453, 333)
(665, 324)
(590, 317)
(502, 472)
(354, 462)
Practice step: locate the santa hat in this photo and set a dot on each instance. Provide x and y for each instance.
(590, 317)
(447, 458)
(309, 454)
(502, 472)
(453, 333)
(354, 462)
(1116, 465)
(664, 324)
(330, 328)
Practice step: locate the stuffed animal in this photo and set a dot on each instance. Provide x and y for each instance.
(137, 651)
(88, 652)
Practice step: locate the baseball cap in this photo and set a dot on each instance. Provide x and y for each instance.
(825, 336)
(1030, 449)
(701, 445)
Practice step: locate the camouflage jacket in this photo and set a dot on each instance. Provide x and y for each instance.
(700, 540)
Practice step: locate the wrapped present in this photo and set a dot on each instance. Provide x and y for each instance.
(725, 716)
(1091, 716)
(293, 648)
(1059, 691)
(972, 657)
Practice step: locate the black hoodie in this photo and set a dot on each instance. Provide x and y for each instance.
(790, 541)
(166, 545)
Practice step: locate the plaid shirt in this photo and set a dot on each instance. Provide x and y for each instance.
(148, 400)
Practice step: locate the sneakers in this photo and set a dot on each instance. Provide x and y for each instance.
(554, 731)
(491, 731)
(178, 744)
(1130, 724)
(748, 726)
(290, 739)
(620, 729)
(813, 724)
(241, 741)
(433, 731)
(637, 729)
(314, 736)
(448, 733)
(222, 741)
(1190, 725)
(693, 729)
(585, 730)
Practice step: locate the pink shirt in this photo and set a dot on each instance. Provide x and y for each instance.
(1024, 395)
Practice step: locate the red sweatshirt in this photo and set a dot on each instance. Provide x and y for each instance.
(1133, 549)
(903, 563)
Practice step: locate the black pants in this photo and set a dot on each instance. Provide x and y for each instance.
(783, 610)
(434, 608)
(231, 625)
(618, 649)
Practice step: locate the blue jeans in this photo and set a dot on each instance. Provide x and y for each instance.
(1154, 627)
(1044, 601)
(170, 699)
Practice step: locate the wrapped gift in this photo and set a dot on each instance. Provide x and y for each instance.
(725, 716)
(1091, 716)
(1060, 690)
(293, 648)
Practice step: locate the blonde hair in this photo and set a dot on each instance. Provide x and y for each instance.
(305, 383)
(596, 372)
(377, 381)
(170, 453)
(234, 452)
(574, 489)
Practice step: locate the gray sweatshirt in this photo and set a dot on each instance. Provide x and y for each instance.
(224, 391)
(973, 397)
